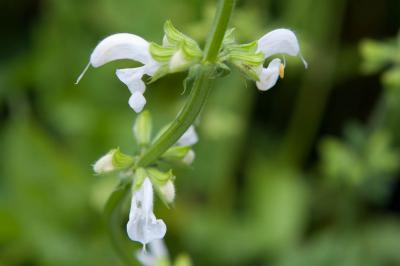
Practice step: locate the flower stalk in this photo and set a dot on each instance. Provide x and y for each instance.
(186, 117)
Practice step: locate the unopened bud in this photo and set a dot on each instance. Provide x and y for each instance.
(189, 138)
(168, 191)
(104, 164)
(113, 160)
(178, 62)
(189, 157)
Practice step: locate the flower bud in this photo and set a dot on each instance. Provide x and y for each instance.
(183, 260)
(168, 191)
(189, 138)
(189, 157)
(104, 164)
(178, 62)
(113, 160)
(176, 153)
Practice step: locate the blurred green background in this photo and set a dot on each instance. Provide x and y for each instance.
(304, 174)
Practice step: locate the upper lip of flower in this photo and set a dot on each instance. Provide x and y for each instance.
(126, 46)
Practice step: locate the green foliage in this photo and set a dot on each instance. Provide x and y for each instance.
(360, 158)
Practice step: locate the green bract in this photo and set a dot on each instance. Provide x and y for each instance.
(158, 177)
(139, 177)
(120, 160)
(176, 153)
(244, 56)
(177, 53)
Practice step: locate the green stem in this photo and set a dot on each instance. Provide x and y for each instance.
(219, 28)
(182, 122)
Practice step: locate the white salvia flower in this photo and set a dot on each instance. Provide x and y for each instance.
(143, 226)
(168, 191)
(189, 138)
(104, 164)
(157, 252)
(126, 46)
(189, 157)
(280, 41)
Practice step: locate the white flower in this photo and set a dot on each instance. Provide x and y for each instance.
(157, 253)
(189, 138)
(104, 164)
(126, 46)
(280, 41)
(143, 225)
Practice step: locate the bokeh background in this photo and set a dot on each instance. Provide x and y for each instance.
(304, 174)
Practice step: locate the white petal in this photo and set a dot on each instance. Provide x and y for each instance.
(132, 77)
(137, 101)
(143, 225)
(151, 67)
(269, 76)
(142, 199)
(189, 138)
(146, 229)
(157, 252)
(280, 41)
(146, 258)
(121, 46)
(158, 249)
(147, 198)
